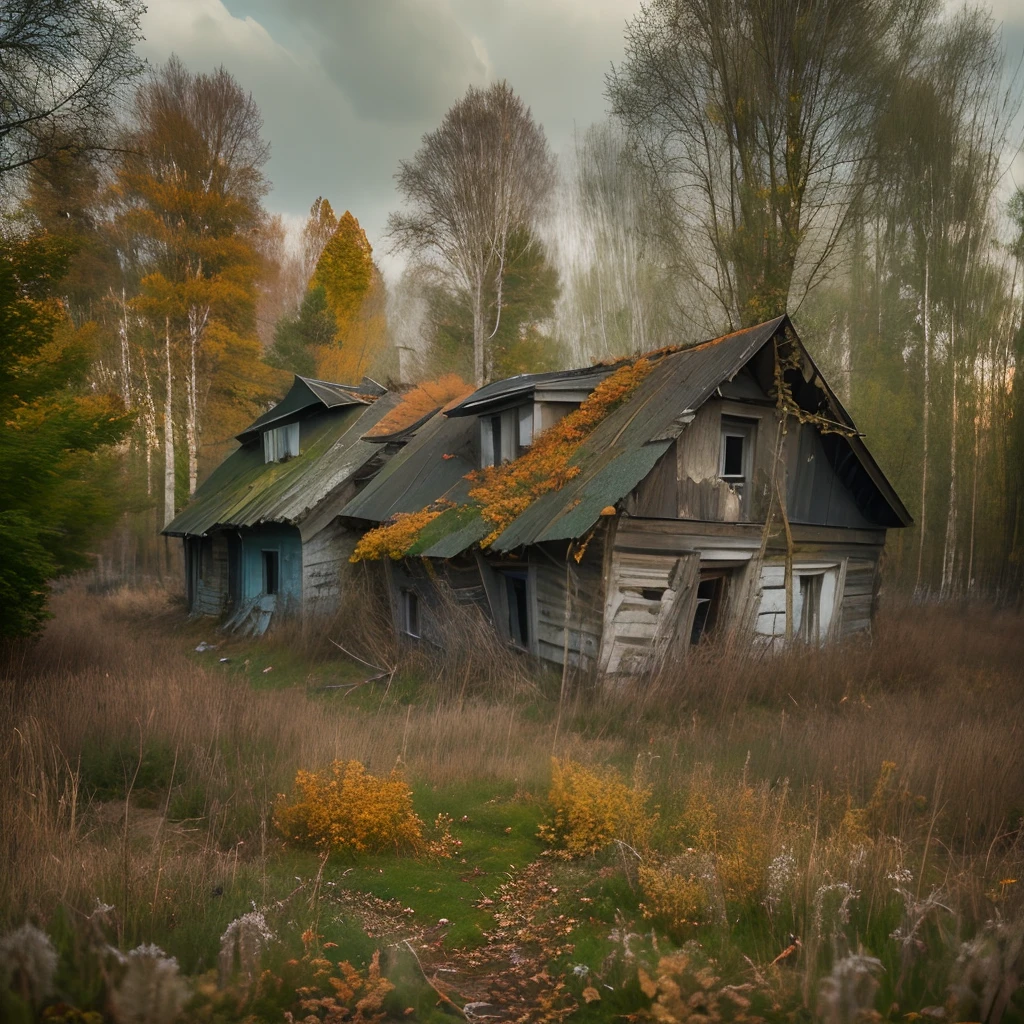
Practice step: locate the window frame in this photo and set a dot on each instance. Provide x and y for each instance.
(737, 426)
(281, 443)
(409, 608)
(270, 566)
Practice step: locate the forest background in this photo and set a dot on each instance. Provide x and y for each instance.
(845, 162)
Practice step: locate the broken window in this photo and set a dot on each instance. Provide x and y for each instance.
(410, 612)
(280, 443)
(810, 608)
(517, 598)
(271, 572)
(710, 597)
(737, 457)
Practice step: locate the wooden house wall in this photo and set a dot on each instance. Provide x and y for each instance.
(569, 597)
(325, 565)
(655, 567)
(208, 576)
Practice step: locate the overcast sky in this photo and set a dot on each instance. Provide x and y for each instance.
(347, 88)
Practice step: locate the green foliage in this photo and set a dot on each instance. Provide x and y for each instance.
(297, 336)
(529, 290)
(56, 491)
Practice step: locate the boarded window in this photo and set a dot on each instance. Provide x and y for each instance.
(280, 443)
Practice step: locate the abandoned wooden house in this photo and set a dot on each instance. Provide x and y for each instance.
(262, 531)
(616, 515)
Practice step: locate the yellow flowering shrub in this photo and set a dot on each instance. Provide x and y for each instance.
(343, 807)
(592, 807)
(680, 893)
(730, 823)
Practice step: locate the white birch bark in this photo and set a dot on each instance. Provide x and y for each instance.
(949, 543)
(924, 425)
(197, 320)
(168, 431)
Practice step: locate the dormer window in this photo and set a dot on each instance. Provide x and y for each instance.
(737, 457)
(281, 443)
(503, 435)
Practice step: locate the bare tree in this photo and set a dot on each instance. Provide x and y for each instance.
(63, 67)
(478, 182)
(754, 121)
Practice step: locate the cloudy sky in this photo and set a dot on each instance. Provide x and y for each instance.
(348, 87)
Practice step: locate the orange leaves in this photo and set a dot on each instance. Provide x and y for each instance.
(506, 491)
(421, 400)
(502, 493)
(393, 539)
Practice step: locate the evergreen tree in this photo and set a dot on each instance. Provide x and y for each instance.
(297, 338)
(53, 497)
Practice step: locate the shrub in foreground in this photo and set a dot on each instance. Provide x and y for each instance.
(591, 808)
(344, 808)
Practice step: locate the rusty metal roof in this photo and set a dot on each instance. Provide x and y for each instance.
(500, 391)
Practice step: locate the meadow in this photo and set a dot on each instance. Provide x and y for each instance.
(831, 834)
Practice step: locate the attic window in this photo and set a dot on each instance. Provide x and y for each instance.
(281, 443)
(737, 457)
(499, 435)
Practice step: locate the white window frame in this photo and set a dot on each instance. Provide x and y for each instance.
(281, 443)
(508, 437)
(740, 483)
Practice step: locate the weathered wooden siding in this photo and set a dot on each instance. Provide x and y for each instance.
(859, 595)
(208, 565)
(668, 556)
(325, 565)
(573, 592)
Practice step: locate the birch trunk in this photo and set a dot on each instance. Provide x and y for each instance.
(151, 440)
(979, 404)
(924, 428)
(168, 431)
(478, 332)
(197, 320)
(949, 543)
(126, 355)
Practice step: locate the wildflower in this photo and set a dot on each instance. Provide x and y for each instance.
(781, 871)
(151, 990)
(243, 940)
(28, 963)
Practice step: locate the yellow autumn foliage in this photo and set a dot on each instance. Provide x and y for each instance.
(591, 808)
(680, 893)
(344, 808)
(394, 538)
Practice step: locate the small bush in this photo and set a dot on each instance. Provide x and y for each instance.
(345, 808)
(591, 808)
(681, 893)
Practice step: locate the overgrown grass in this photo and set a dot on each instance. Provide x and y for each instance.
(140, 772)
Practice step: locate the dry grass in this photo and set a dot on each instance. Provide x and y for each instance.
(133, 771)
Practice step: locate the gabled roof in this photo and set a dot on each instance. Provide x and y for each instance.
(501, 391)
(244, 490)
(611, 461)
(306, 393)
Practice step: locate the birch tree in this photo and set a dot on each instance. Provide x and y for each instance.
(479, 181)
(188, 190)
(753, 120)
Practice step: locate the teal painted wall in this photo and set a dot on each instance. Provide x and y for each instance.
(286, 542)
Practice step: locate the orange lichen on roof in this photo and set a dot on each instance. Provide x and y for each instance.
(504, 492)
(394, 538)
(424, 398)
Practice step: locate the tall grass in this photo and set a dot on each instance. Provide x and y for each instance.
(136, 771)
